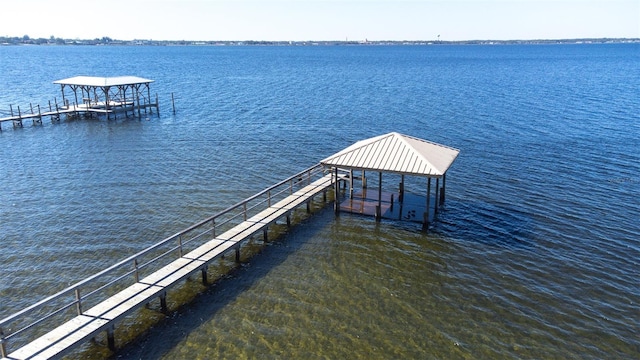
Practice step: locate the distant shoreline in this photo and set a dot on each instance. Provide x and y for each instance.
(105, 41)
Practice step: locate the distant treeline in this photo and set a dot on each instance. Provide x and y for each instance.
(26, 40)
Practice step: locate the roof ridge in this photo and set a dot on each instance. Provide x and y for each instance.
(395, 152)
(353, 147)
(404, 138)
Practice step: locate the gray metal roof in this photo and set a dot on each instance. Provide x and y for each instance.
(103, 81)
(396, 153)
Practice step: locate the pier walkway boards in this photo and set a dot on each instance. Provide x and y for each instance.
(98, 303)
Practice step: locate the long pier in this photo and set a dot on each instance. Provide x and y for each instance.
(66, 320)
(74, 110)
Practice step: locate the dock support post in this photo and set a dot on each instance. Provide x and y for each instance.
(157, 105)
(111, 341)
(350, 183)
(309, 207)
(379, 206)
(163, 302)
(39, 122)
(204, 269)
(435, 206)
(18, 122)
(138, 97)
(425, 223)
(173, 104)
(237, 250)
(57, 117)
(336, 183)
(288, 219)
(364, 181)
(401, 195)
(444, 177)
(265, 234)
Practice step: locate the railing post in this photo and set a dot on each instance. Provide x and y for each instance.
(269, 198)
(309, 177)
(291, 187)
(3, 344)
(78, 301)
(213, 227)
(244, 207)
(180, 245)
(136, 275)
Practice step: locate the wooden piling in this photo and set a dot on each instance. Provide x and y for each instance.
(205, 281)
(336, 206)
(163, 303)
(425, 223)
(111, 341)
(435, 207)
(379, 206)
(444, 176)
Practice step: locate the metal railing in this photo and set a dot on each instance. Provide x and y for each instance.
(37, 319)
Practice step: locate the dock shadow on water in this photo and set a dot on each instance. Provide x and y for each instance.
(296, 299)
(259, 260)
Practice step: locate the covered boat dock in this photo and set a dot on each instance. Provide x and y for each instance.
(107, 95)
(397, 154)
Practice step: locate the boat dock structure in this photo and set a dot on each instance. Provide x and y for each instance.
(59, 324)
(90, 96)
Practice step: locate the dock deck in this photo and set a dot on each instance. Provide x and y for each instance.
(411, 208)
(140, 290)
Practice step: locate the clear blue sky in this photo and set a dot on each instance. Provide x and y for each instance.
(321, 19)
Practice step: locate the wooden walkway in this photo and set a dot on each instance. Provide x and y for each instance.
(73, 109)
(104, 315)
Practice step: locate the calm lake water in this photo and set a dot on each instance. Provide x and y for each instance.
(536, 254)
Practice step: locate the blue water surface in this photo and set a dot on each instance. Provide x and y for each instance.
(535, 254)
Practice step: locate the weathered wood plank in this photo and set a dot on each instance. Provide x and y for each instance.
(172, 273)
(125, 301)
(210, 250)
(61, 339)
